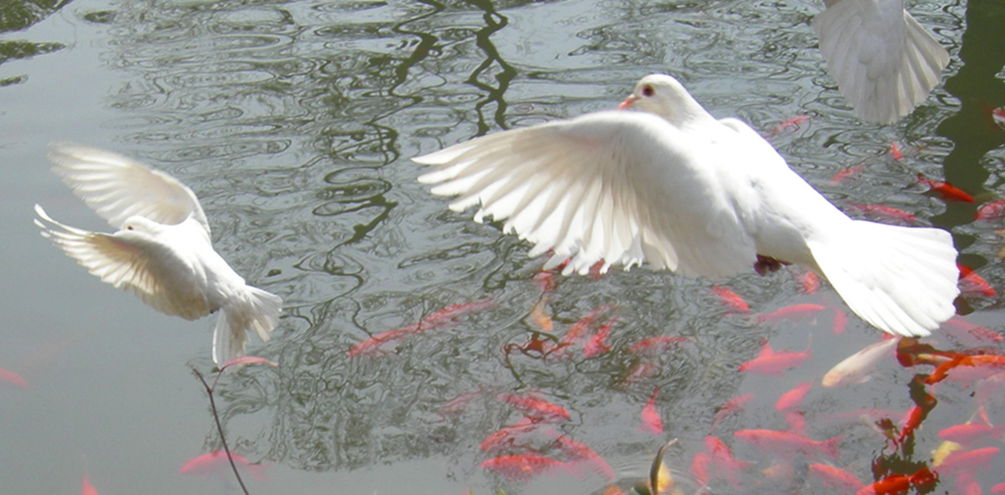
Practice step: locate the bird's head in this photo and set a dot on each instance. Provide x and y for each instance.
(137, 223)
(663, 95)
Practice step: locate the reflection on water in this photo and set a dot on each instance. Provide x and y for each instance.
(18, 15)
(293, 121)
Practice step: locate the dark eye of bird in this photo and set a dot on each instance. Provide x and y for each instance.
(129, 227)
(647, 91)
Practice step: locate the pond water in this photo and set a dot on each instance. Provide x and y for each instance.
(294, 122)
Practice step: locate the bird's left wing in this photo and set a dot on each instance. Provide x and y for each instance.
(618, 187)
(117, 187)
(131, 261)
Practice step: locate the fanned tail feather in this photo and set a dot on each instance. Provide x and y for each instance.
(256, 310)
(902, 280)
(883, 70)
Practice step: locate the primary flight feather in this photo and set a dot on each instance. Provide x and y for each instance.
(670, 185)
(162, 250)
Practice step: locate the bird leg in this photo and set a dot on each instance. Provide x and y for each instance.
(766, 264)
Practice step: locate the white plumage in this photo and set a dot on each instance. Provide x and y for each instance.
(884, 62)
(672, 186)
(162, 250)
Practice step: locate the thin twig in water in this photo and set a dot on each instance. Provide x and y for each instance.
(219, 427)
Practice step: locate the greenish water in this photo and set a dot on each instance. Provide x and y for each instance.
(293, 121)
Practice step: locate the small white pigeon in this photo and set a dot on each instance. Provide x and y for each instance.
(884, 62)
(671, 185)
(162, 251)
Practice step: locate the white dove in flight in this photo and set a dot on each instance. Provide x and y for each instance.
(670, 185)
(162, 250)
(884, 61)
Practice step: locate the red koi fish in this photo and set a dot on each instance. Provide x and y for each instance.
(858, 367)
(656, 345)
(722, 461)
(945, 190)
(973, 284)
(796, 421)
(991, 361)
(787, 444)
(840, 322)
(651, 420)
(835, 478)
(508, 436)
(578, 331)
(788, 124)
(970, 433)
(895, 151)
(535, 407)
(597, 344)
(700, 468)
(967, 461)
(810, 282)
(12, 378)
(731, 299)
(579, 451)
(216, 463)
(899, 483)
(457, 405)
(998, 489)
(546, 281)
(522, 467)
(793, 312)
(86, 488)
(973, 333)
(451, 313)
(732, 406)
(885, 213)
(991, 211)
(910, 422)
(847, 173)
(446, 316)
(372, 345)
(770, 362)
(791, 400)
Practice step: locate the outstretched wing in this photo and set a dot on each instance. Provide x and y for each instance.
(622, 187)
(132, 261)
(117, 187)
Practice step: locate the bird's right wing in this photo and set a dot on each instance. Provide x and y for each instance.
(117, 187)
(618, 187)
(884, 62)
(131, 261)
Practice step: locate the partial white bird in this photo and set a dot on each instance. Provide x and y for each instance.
(672, 186)
(884, 61)
(162, 251)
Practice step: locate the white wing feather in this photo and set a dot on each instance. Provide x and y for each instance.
(117, 187)
(133, 261)
(622, 187)
(884, 62)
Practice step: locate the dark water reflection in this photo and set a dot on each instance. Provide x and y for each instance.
(294, 121)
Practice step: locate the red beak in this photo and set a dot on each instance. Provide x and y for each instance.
(627, 103)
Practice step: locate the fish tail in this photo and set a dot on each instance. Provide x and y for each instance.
(830, 447)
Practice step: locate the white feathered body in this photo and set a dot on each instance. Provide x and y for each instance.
(673, 186)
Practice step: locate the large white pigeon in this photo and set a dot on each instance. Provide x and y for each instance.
(670, 185)
(162, 250)
(884, 62)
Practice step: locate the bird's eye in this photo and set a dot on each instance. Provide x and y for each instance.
(129, 227)
(648, 90)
